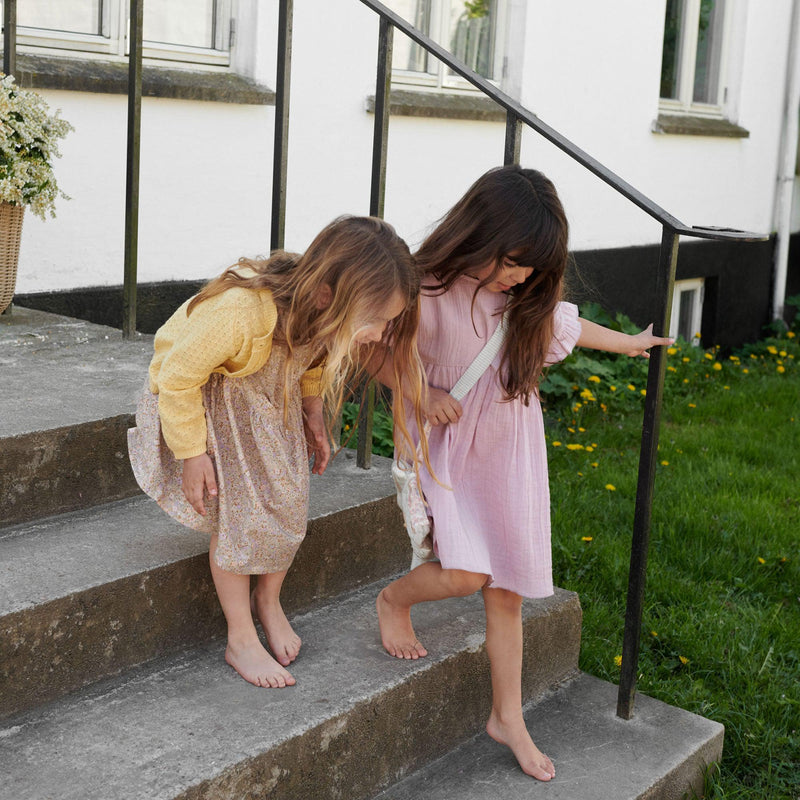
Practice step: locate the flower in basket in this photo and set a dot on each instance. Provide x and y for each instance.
(29, 137)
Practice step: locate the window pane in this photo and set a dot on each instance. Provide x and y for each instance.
(671, 58)
(686, 314)
(74, 16)
(183, 22)
(408, 55)
(709, 52)
(473, 25)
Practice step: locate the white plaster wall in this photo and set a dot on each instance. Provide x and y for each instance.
(588, 69)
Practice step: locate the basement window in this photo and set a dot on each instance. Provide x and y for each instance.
(687, 310)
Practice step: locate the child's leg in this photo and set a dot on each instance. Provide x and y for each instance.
(427, 582)
(244, 652)
(504, 646)
(266, 604)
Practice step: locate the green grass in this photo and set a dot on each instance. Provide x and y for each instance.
(721, 627)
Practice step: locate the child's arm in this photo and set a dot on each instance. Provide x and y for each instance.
(316, 433)
(596, 337)
(438, 407)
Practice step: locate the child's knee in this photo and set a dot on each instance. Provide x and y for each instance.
(463, 583)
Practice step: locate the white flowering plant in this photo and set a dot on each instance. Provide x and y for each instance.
(29, 137)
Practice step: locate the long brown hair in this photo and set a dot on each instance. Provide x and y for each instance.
(360, 264)
(509, 212)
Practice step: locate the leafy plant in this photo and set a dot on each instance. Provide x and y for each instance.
(29, 137)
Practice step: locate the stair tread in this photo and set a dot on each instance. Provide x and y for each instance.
(61, 555)
(157, 730)
(60, 371)
(596, 754)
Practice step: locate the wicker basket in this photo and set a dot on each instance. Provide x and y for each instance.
(10, 235)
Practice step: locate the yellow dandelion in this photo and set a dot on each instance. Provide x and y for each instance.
(580, 474)
(631, 387)
(683, 660)
(604, 406)
(671, 369)
(594, 464)
(571, 430)
(653, 633)
(686, 380)
(782, 354)
(613, 388)
(590, 449)
(611, 487)
(781, 369)
(692, 405)
(790, 334)
(717, 366)
(671, 351)
(574, 447)
(586, 538)
(754, 356)
(761, 560)
(581, 430)
(735, 359)
(665, 463)
(594, 379)
(772, 349)
(643, 392)
(618, 660)
(556, 444)
(708, 356)
(347, 427)
(726, 387)
(685, 360)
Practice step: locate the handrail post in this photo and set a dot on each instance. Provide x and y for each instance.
(380, 140)
(10, 37)
(513, 144)
(280, 158)
(665, 284)
(132, 169)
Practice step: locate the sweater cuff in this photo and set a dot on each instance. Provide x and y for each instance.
(311, 383)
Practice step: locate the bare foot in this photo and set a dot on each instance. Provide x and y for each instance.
(282, 640)
(397, 635)
(515, 735)
(257, 666)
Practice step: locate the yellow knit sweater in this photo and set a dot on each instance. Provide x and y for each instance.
(231, 334)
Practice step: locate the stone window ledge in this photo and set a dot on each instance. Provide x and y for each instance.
(441, 105)
(698, 126)
(111, 77)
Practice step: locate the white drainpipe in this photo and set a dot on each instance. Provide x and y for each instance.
(786, 166)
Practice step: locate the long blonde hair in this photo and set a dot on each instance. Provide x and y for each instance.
(361, 264)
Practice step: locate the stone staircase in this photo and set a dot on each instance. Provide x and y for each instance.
(112, 678)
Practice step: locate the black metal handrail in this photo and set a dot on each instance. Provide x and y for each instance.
(672, 228)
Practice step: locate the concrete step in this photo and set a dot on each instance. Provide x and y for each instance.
(88, 594)
(357, 719)
(660, 754)
(68, 390)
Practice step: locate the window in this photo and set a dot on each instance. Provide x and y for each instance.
(694, 56)
(472, 30)
(196, 31)
(687, 310)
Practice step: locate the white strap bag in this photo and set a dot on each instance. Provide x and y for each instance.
(409, 495)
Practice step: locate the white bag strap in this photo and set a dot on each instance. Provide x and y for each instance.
(482, 360)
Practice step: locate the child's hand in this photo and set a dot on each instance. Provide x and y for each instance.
(316, 434)
(198, 477)
(643, 341)
(441, 407)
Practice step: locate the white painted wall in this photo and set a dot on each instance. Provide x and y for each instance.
(589, 69)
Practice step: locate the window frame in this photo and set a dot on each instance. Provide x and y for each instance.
(115, 42)
(681, 287)
(440, 79)
(688, 38)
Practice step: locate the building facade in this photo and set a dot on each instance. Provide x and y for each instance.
(685, 99)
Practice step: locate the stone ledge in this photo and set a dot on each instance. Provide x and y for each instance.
(440, 105)
(111, 77)
(698, 126)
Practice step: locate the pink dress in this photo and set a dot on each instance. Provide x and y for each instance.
(495, 518)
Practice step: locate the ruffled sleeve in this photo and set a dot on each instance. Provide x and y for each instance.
(566, 330)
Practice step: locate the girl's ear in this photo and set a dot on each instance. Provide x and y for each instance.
(324, 296)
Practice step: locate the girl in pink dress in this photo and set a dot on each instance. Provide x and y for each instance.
(502, 247)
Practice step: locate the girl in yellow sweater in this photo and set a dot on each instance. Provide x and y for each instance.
(237, 386)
